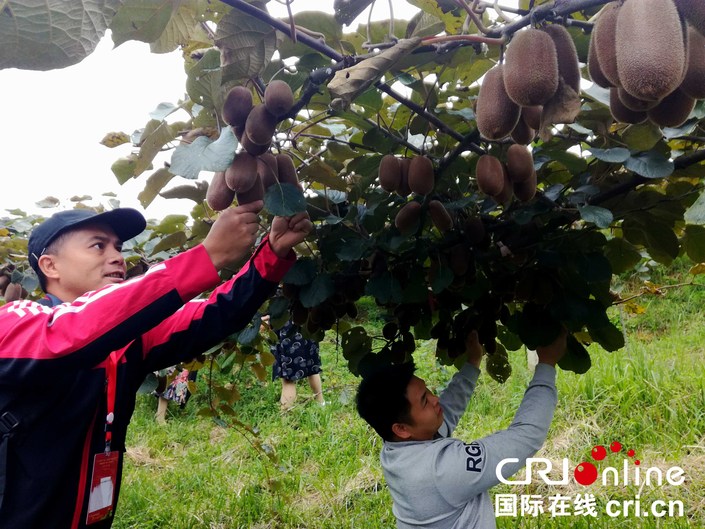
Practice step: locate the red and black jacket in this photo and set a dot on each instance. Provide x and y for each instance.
(53, 364)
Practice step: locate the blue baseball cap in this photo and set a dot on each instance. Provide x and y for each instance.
(125, 222)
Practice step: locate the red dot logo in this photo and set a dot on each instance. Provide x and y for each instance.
(585, 473)
(616, 446)
(630, 453)
(599, 453)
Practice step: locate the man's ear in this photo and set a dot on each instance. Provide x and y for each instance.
(401, 430)
(47, 264)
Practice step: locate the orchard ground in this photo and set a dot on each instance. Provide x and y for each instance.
(650, 396)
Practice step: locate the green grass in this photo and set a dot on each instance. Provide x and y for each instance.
(649, 395)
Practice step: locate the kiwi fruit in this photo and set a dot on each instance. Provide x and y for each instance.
(256, 192)
(650, 48)
(439, 216)
(490, 175)
(532, 116)
(421, 179)
(568, 63)
(633, 103)
(389, 173)
(604, 42)
(278, 98)
(621, 113)
(520, 163)
(267, 169)
(241, 174)
(594, 68)
(408, 217)
(237, 106)
(404, 190)
(522, 133)
(674, 110)
(525, 190)
(286, 170)
(694, 81)
(260, 125)
(496, 114)
(531, 68)
(694, 12)
(219, 196)
(504, 197)
(251, 147)
(13, 292)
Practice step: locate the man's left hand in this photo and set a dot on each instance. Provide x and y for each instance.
(287, 232)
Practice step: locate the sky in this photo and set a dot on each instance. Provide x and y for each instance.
(53, 122)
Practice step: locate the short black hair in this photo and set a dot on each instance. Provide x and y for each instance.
(381, 398)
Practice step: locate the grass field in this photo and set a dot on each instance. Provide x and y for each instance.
(650, 396)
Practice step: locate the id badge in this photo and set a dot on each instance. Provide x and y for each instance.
(103, 482)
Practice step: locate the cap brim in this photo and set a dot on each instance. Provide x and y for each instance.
(125, 222)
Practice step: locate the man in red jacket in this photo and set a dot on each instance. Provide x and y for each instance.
(71, 364)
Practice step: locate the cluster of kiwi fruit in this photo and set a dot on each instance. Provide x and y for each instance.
(504, 180)
(254, 169)
(651, 56)
(540, 67)
(11, 291)
(322, 317)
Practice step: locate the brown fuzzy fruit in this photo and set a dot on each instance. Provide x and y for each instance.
(532, 116)
(251, 147)
(260, 125)
(287, 170)
(496, 114)
(278, 98)
(622, 113)
(525, 190)
(632, 103)
(505, 196)
(237, 106)
(256, 192)
(408, 217)
(13, 292)
(694, 82)
(604, 42)
(219, 196)
(568, 64)
(421, 179)
(531, 68)
(267, 169)
(522, 133)
(651, 49)
(520, 163)
(439, 216)
(674, 110)
(241, 174)
(490, 175)
(404, 189)
(389, 173)
(594, 68)
(694, 12)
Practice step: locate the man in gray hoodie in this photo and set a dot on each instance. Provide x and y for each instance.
(437, 481)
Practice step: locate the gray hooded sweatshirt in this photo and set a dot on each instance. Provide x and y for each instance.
(443, 483)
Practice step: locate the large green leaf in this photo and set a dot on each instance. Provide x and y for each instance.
(155, 183)
(173, 240)
(203, 81)
(661, 242)
(696, 213)
(202, 154)
(650, 165)
(316, 292)
(284, 200)
(694, 242)
(155, 136)
(576, 357)
(614, 155)
(621, 254)
(139, 20)
(302, 273)
(600, 217)
(51, 34)
(385, 288)
(642, 137)
(184, 28)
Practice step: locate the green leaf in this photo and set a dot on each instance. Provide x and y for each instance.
(318, 291)
(608, 336)
(621, 254)
(385, 288)
(246, 45)
(173, 240)
(642, 137)
(284, 200)
(356, 344)
(443, 278)
(302, 273)
(184, 29)
(425, 25)
(600, 217)
(616, 155)
(139, 20)
(203, 81)
(202, 154)
(156, 134)
(124, 168)
(155, 183)
(694, 242)
(661, 243)
(171, 224)
(695, 214)
(322, 173)
(197, 192)
(249, 333)
(576, 357)
(650, 164)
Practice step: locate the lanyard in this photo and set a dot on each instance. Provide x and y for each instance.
(110, 391)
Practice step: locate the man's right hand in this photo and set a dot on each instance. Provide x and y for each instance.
(233, 234)
(552, 353)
